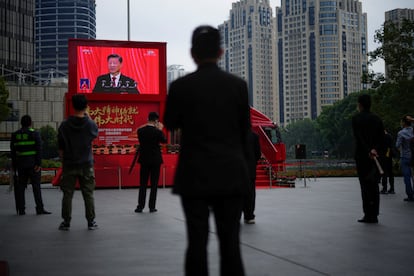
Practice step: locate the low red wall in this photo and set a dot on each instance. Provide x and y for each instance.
(112, 170)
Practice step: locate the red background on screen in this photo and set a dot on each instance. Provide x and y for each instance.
(140, 64)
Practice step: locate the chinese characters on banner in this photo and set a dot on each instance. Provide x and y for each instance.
(119, 122)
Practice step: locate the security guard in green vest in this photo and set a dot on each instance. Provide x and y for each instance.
(26, 149)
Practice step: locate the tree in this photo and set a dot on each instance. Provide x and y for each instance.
(392, 101)
(397, 49)
(50, 144)
(4, 95)
(335, 126)
(303, 132)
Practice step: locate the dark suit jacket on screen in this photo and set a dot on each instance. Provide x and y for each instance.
(125, 85)
(211, 108)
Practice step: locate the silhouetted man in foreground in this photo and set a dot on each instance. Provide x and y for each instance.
(211, 108)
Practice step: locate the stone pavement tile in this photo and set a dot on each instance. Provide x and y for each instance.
(308, 230)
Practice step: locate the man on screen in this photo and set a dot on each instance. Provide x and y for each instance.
(114, 81)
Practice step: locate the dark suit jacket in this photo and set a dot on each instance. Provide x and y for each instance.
(125, 84)
(254, 153)
(369, 134)
(211, 108)
(150, 138)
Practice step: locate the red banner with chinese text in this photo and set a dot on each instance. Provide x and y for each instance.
(118, 122)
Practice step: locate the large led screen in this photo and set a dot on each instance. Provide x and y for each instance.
(110, 67)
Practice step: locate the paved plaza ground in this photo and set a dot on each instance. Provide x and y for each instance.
(310, 230)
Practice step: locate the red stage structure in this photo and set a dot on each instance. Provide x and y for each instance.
(119, 113)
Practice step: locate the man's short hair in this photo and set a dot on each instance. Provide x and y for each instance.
(406, 121)
(79, 102)
(205, 42)
(114, 56)
(26, 121)
(365, 101)
(153, 116)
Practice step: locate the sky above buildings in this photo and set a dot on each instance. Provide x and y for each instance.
(173, 22)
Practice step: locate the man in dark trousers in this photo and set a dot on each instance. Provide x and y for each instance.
(368, 131)
(386, 162)
(211, 108)
(114, 81)
(26, 152)
(404, 138)
(75, 136)
(150, 136)
(254, 155)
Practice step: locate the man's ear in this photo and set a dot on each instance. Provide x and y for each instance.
(196, 60)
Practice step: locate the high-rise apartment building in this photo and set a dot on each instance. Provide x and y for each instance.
(174, 72)
(248, 41)
(321, 50)
(397, 16)
(16, 37)
(56, 22)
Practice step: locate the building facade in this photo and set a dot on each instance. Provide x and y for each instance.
(248, 43)
(16, 38)
(174, 72)
(397, 16)
(321, 50)
(56, 22)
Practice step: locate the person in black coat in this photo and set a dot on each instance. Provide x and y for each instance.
(150, 136)
(114, 81)
(386, 162)
(368, 132)
(211, 108)
(254, 154)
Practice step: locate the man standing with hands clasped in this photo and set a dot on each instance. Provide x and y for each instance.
(211, 108)
(369, 144)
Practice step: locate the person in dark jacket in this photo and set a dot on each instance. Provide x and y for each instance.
(254, 154)
(386, 162)
(75, 136)
(368, 132)
(26, 151)
(211, 108)
(150, 136)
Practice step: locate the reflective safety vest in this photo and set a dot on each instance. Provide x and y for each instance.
(25, 143)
